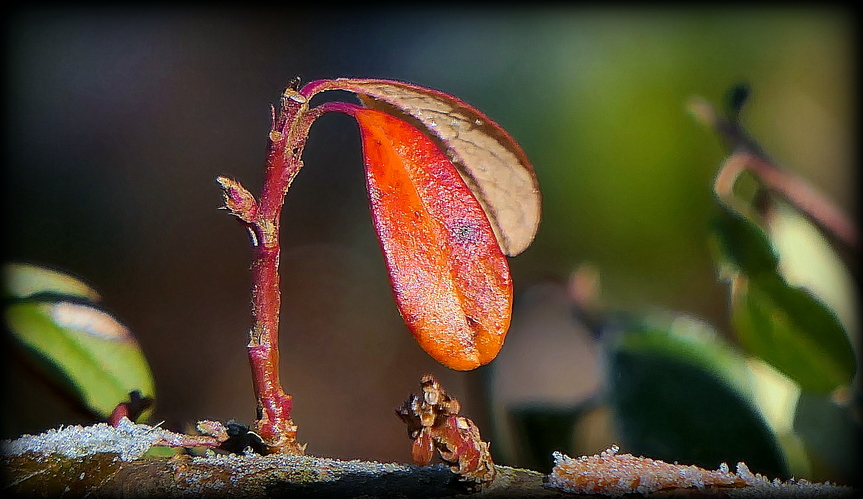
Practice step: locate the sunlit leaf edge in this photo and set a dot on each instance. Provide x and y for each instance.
(692, 342)
(23, 280)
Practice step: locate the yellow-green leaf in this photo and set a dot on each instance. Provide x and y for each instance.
(87, 348)
(22, 280)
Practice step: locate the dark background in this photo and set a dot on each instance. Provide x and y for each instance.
(119, 120)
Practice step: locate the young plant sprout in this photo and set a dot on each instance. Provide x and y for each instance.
(452, 194)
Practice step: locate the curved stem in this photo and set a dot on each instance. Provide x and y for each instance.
(287, 139)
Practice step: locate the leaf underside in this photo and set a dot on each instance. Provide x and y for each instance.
(489, 160)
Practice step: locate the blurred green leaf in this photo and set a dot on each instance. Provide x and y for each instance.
(807, 259)
(742, 246)
(831, 434)
(22, 280)
(793, 331)
(784, 325)
(679, 396)
(95, 355)
(84, 349)
(692, 341)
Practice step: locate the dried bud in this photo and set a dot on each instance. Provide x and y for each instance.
(239, 201)
(433, 424)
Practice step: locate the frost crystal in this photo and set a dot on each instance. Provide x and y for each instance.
(129, 440)
(612, 474)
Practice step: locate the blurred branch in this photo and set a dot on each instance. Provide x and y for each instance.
(747, 155)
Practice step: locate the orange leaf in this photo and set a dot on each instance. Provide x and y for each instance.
(490, 161)
(450, 278)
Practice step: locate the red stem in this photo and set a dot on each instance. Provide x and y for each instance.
(274, 423)
(287, 139)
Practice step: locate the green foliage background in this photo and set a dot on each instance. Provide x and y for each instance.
(119, 120)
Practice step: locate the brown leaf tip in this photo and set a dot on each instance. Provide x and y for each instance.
(433, 424)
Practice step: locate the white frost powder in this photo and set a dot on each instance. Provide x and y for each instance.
(129, 440)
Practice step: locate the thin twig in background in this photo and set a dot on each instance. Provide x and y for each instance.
(746, 155)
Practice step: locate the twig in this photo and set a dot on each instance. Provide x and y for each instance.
(746, 155)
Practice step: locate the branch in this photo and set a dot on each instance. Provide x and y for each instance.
(747, 155)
